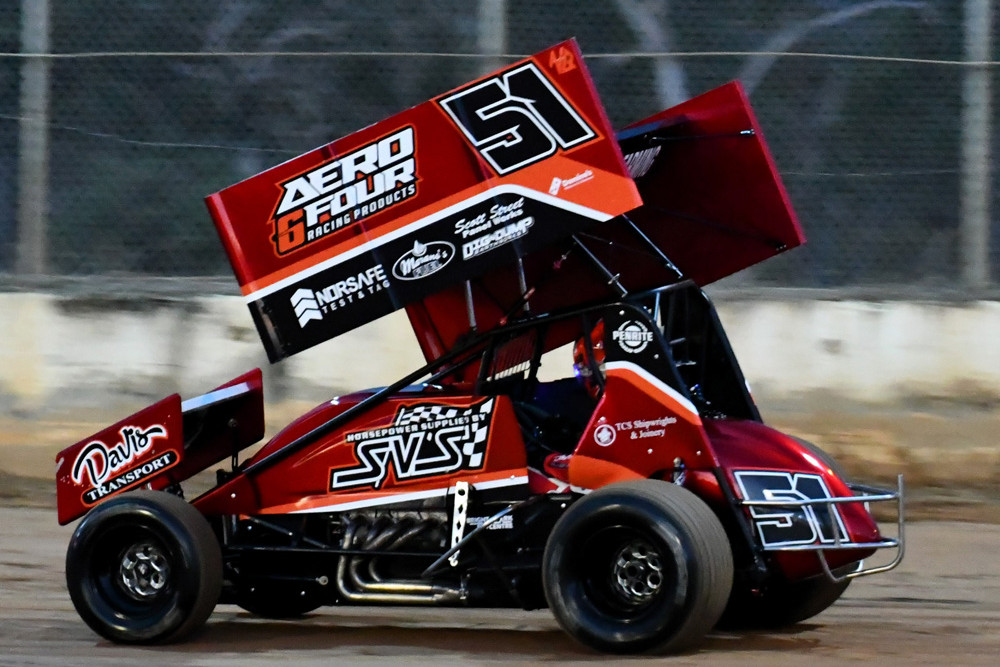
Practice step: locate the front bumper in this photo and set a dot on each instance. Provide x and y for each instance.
(838, 540)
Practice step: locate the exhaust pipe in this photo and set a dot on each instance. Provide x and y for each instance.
(387, 591)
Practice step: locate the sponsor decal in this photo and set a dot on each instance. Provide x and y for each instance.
(424, 440)
(645, 428)
(343, 191)
(494, 240)
(562, 60)
(98, 461)
(604, 435)
(131, 477)
(570, 183)
(423, 259)
(780, 526)
(499, 226)
(506, 522)
(517, 117)
(106, 469)
(632, 336)
(312, 305)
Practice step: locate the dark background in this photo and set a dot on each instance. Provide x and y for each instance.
(164, 102)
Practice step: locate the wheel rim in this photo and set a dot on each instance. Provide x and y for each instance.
(144, 571)
(627, 574)
(638, 572)
(134, 571)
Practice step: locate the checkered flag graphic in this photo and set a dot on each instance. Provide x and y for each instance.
(426, 414)
(473, 448)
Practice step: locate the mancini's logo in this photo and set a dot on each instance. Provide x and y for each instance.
(306, 307)
(423, 259)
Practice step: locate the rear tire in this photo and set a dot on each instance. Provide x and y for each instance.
(638, 566)
(144, 567)
(279, 600)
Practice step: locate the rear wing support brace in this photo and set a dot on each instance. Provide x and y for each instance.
(612, 278)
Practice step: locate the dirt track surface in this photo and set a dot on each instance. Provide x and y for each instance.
(941, 606)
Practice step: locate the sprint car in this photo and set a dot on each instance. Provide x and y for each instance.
(581, 437)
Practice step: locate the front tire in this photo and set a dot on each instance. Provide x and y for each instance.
(144, 567)
(638, 566)
(780, 604)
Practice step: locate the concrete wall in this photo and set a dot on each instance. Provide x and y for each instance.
(62, 352)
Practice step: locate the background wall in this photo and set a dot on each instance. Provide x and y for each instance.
(118, 116)
(65, 353)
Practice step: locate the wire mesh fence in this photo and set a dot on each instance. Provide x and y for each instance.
(153, 105)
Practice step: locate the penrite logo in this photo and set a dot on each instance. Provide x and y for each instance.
(346, 190)
(100, 463)
(423, 259)
(632, 336)
(312, 305)
(424, 441)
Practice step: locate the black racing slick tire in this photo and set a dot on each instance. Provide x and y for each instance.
(780, 604)
(143, 568)
(640, 566)
(279, 600)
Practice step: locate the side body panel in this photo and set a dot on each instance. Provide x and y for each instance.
(123, 456)
(161, 445)
(407, 449)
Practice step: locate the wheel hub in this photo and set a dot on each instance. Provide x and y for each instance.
(638, 572)
(144, 570)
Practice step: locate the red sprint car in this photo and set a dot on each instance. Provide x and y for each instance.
(581, 437)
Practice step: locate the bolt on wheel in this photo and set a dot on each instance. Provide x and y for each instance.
(638, 572)
(144, 570)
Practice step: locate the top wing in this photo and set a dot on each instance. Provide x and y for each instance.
(712, 204)
(713, 199)
(467, 183)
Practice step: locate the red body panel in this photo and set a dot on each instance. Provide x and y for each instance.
(640, 424)
(751, 446)
(407, 448)
(123, 456)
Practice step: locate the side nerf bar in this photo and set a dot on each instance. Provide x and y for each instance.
(864, 494)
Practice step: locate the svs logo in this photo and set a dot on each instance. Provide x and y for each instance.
(789, 525)
(343, 191)
(516, 118)
(424, 441)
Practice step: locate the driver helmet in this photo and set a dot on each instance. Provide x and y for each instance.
(582, 367)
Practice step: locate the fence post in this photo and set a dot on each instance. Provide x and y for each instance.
(33, 140)
(975, 188)
(492, 33)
